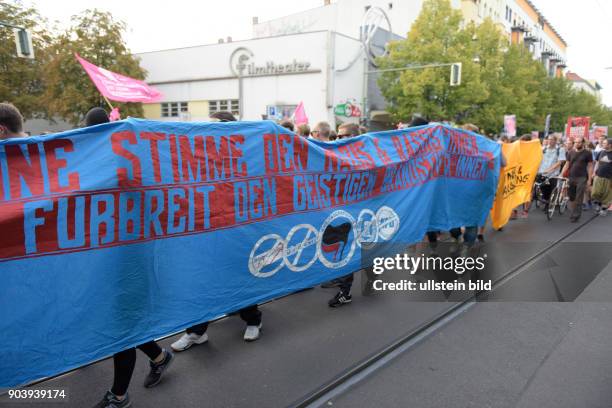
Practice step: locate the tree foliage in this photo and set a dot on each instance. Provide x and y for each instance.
(499, 78)
(97, 37)
(21, 78)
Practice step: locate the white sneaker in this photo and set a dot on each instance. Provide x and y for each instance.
(252, 333)
(187, 340)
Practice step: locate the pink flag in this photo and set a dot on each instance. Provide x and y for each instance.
(299, 116)
(117, 87)
(114, 115)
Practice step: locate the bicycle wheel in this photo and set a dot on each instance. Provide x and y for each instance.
(552, 203)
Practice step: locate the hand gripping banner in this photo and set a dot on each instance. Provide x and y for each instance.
(117, 234)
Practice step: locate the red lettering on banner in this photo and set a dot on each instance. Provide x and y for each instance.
(174, 158)
(19, 167)
(382, 154)
(331, 161)
(123, 178)
(399, 148)
(361, 155)
(235, 141)
(54, 165)
(282, 154)
(270, 157)
(218, 159)
(193, 160)
(153, 138)
(300, 153)
(284, 140)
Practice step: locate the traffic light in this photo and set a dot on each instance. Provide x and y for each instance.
(455, 77)
(23, 41)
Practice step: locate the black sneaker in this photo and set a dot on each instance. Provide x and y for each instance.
(110, 401)
(158, 369)
(340, 299)
(481, 238)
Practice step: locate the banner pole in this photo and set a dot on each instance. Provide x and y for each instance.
(107, 101)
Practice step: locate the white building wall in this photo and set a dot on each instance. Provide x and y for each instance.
(203, 73)
(344, 17)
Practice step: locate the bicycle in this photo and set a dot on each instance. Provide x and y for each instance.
(558, 198)
(536, 194)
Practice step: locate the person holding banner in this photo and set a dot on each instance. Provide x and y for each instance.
(124, 363)
(579, 166)
(251, 315)
(96, 116)
(11, 122)
(345, 283)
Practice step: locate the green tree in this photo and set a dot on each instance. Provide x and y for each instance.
(499, 78)
(21, 78)
(98, 38)
(435, 37)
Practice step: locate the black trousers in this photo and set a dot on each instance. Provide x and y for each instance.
(346, 283)
(251, 315)
(125, 361)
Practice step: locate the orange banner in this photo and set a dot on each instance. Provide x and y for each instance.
(516, 179)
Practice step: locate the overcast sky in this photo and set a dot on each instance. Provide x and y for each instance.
(153, 25)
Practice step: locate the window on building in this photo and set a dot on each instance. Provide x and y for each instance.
(230, 105)
(173, 109)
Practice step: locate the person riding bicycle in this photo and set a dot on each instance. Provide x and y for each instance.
(553, 155)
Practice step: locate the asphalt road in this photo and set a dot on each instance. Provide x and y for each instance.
(497, 354)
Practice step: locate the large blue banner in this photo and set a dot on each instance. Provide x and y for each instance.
(120, 233)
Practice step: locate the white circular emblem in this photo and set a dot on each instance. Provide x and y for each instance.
(268, 257)
(296, 249)
(343, 261)
(388, 222)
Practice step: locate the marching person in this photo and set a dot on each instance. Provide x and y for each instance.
(580, 166)
(602, 183)
(322, 131)
(251, 315)
(11, 122)
(124, 363)
(96, 116)
(345, 283)
(553, 156)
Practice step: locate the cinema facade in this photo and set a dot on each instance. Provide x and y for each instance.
(322, 69)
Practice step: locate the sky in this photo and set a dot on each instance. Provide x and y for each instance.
(155, 25)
